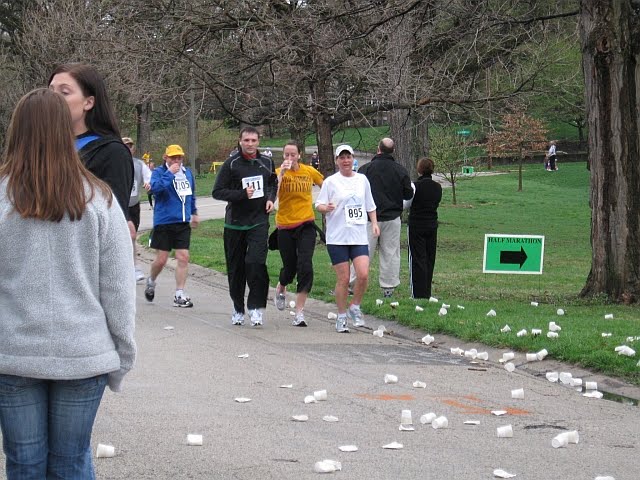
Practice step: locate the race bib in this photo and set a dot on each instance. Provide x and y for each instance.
(134, 190)
(183, 187)
(354, 215)
(256, 184)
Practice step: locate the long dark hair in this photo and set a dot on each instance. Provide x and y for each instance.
(45, 177)
(100, 119)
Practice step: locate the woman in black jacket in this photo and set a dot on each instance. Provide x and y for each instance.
(423, 229)
(98, 138)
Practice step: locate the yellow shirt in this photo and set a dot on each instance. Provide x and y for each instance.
(295, 202)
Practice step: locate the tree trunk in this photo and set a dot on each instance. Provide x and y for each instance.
(454, 199)
(143, 127)
(401, 126)
(192, 128)
(610, 37)
(520, 170)
(322, 121)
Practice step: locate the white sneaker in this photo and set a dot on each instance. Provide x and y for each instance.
(298, 320)
(237, 318)
(341, 324)
(280, 300)
(139, 275)
(256, 317)
(356, 316)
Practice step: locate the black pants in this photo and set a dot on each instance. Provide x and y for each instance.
(422, 258)
(246, 255)
(552, 162)
(150, 197)
(296, 250)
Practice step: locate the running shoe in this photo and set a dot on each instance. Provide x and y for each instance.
(139, 275)
(182, 302)
(150, 290)
(256, 317)
(237, 318)
(356, 316)
(298, 320)
(341, 324)
(280, 300)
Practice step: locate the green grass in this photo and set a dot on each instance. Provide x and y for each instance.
(552, 204)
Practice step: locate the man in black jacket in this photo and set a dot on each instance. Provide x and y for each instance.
(390, 185)
(247, 182)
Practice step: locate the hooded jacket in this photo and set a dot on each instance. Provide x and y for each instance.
(242, 212)
(170, 207)
(390, 185)
(110, 160)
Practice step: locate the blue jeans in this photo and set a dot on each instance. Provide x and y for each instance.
(46, 426)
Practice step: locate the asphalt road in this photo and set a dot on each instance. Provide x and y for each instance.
(186, 380)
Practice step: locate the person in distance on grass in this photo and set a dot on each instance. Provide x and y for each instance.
(67, 295)
(247, 182)
(296, 232)
(423, 229)
(173, 187)
(345, 198)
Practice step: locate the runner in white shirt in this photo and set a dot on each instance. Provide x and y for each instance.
(345, 198)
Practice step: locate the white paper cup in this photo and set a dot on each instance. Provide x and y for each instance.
(428, 418)
(105, 451)
(552, 334)
(505, 329)
(419, 308)
(542, 353)
(534, 304)
(591, 385)
(573, 436)
(427, 339)
(552, 376)
(576, 382)
(388, 378)
(394, 304)
(194, 440)
(509, 367)
(505, 431)
(553, 327)
(536, 332)
(560, 312)
(522, 333)
(608, 316)
(379, 302)
(442, 312)
(473, 353)
(561, 440)
(405, 417)
(532, 357)
(518, 393)
(508, 356)
(483, 356)
(378, 333)
(433, 300)
(440, 422)
(332, 316)
(565, 378)
(320, 395)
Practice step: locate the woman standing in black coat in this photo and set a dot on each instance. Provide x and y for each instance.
(423, 229)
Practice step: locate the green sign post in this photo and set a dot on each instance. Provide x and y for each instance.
(519, 254)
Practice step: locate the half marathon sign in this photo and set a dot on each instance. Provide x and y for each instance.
(520, 254)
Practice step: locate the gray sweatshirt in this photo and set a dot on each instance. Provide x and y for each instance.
(67, 294)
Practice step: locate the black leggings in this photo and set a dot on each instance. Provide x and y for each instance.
(296, 250)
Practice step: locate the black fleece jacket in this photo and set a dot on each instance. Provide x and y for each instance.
(243, 212)
(423, 214)
(390, 185)
(110, 160)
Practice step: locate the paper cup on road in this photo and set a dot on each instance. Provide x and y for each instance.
(565, 377)
(194, 440)
(509, 367)
(561, 440)
(310, 399)
(348, 448)
(388, 378)
(573, 436)
(378, 333)
(300, 418)
(608, 316)
(320, 395)
(505, 432)
(419, 384)
(508, 356)
(428, 418)
(327, 466)
(552, 376)
(405, 417)
(483, 356)
(440, 422)
(576, 382)
(605, 478)
(532, 357)
(382, 328)
(518, 393)
(542, 353)
(332, 316)
(105, 451)
(591, 385)
(457, 351)
(427, 339)
(473, 353)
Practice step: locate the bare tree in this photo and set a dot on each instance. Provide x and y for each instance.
(448, 151)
